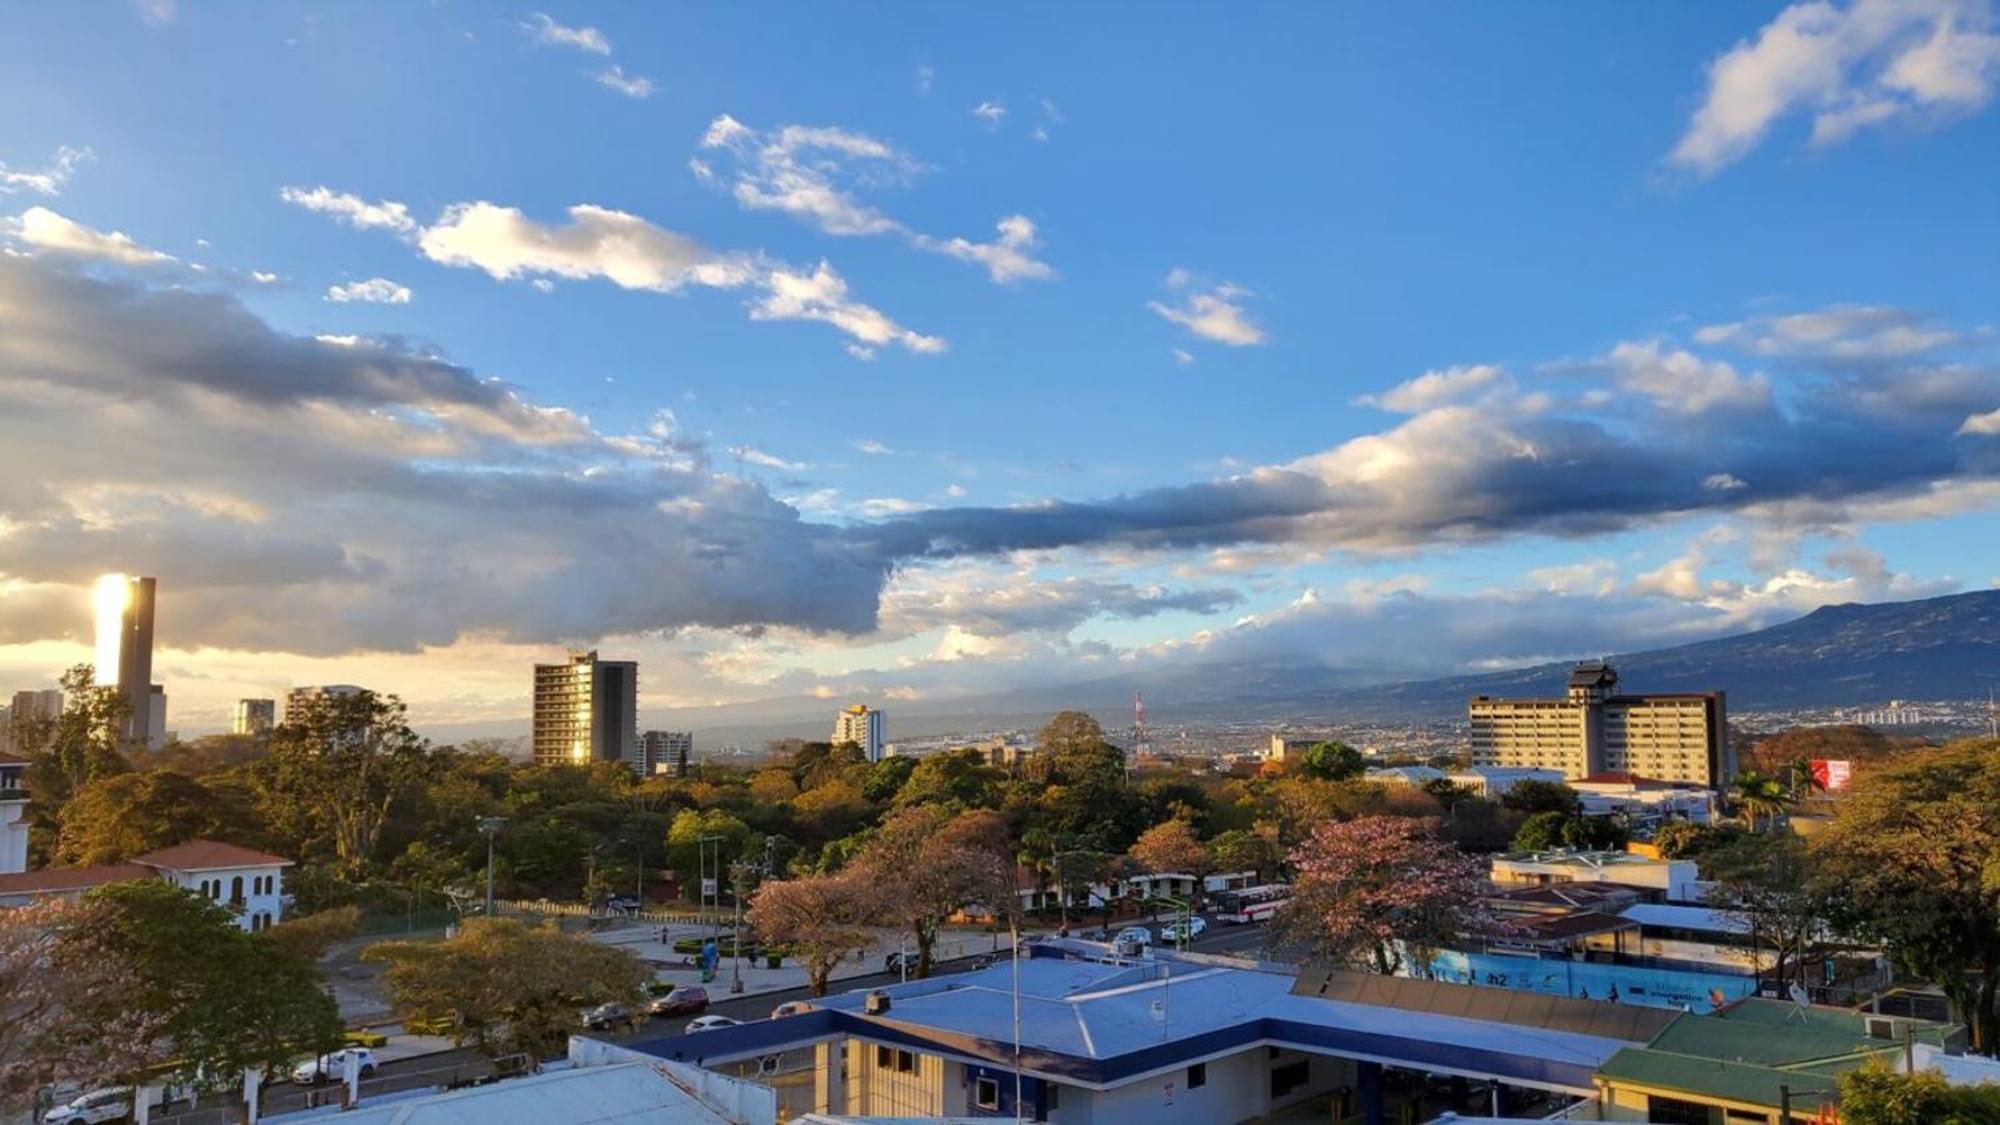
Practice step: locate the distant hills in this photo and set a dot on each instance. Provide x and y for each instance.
(1842, 655)
(1838, 655)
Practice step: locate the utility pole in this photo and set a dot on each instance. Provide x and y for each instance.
(739, 877)
(489, 827)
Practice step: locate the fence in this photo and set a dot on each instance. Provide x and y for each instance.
(550, 908)
(407, 921)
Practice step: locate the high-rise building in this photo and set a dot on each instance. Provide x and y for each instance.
(664, 752)
(299, 700)
(125, 652)
(254, 716)
(157, 733)
(1592, 731)
(32, 705)
(586, 710)
(864, 726)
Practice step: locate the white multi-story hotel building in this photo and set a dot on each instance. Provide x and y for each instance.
(1677, 737)
(586, 710)
(864, 726)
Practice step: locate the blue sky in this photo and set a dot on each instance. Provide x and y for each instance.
(1711, 236)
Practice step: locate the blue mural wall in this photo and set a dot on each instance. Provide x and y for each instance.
(1628, 984)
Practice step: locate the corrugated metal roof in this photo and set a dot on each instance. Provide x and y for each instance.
(1688, 918)
(618, 1092)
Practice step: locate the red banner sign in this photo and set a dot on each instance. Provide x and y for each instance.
(1832, 775)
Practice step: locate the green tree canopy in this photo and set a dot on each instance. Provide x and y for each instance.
(1332, 761)
(118, 816)
(1542, 796)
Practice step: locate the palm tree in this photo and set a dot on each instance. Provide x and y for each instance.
(1758, 796)
(1804, 781)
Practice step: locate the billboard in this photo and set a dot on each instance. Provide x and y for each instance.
(1832, 775)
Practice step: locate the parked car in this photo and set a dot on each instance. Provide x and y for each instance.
(112, 1103)
(605, 1016)
(622, 904)
(1196, 926)
(1140, 934)
(709, 1023)
(685, 1000)
(893, 963)
(333, 1067)
(790, 1008)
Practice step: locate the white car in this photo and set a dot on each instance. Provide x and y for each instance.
(1140, 934)
(1196, 926)
(791, 1008)
(710, 1023)
(333, 1067)
(113, 1103)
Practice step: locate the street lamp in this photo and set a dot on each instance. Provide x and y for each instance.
(489, 827)
(739, 877)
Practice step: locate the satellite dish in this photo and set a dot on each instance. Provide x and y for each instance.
(1158, 1010)
(1799, 996)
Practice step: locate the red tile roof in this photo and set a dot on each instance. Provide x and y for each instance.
(207, 854)
(55, 880)
(7, 759)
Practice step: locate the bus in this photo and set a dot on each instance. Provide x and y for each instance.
(1251, 904)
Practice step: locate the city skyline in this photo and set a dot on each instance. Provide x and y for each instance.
(949, 364)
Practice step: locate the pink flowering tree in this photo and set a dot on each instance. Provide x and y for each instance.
(70, 1010)
(1376, 891)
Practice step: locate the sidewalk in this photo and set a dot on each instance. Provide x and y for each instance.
(644, 941)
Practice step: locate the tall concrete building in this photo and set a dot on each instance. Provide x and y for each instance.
(864, 726)
(254, 716)
(125, 653)
(664, 752)
(587, 710)
(32, 705)
(1592, 731)
(299, 700)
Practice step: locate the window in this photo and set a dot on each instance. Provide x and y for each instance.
(1289, 1077)
(906, 1062)
(884, 1058)
(986, 1093)
(1197, 1076)
(1049, 1091)
(236, 889)
(1673, 1111)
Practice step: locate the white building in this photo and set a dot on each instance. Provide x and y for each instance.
(1675, 880)
(251, 883)
(664, 752)
(299, 700)
(1282, 749)
(254, 716)
(13, 815)
(864, 726)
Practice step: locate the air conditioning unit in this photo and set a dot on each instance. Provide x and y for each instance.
(876, 1003)
(1881, 1027)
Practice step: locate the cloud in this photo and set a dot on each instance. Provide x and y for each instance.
(872, 447)
(1842, 332)
(1846, 444)
(822, 295)
(45, 230)
(49, 179)
(1987, 424)
(545, 32)
(926, 78)
(329, 498)
(1214, 314)
(352, 209)
(1182, 356)
(1867, 63)
(157, 13)
(813, 173)
(990, 112)
(1006, 258)
(755, 456)
(1433, 389)
(1001, 602)
(376, 290)
(626, 250)
(615, 78)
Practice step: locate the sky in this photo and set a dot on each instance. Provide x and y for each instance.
(913, 352)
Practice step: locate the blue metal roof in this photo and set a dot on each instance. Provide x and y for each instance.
(1100, 1023)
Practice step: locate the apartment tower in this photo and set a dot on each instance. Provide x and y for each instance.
(587, 710)
(125, 655)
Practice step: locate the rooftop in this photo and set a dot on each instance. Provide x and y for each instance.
(205, 855)
(1745, 1052)
(1564, 857)
(55, 880)
(617, 1092)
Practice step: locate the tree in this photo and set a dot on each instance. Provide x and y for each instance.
(886, 778)
(684, 846)
(1684, 839)
(927, 864)
(73, 749)
(1380, 891)
(70, 1009)
(1540, 832)
(960, 778)
(1171, 847)
(1545, 830)
(1914, 852)
(311, 935)
(335, 770)
(1542, 796)
(507, 985)
(227, 1000)
(1240, 849)
(118, 816)
(1332, 761)
(820, 917)
(1875, 1094)
(1758, 797)
(1769, 879)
